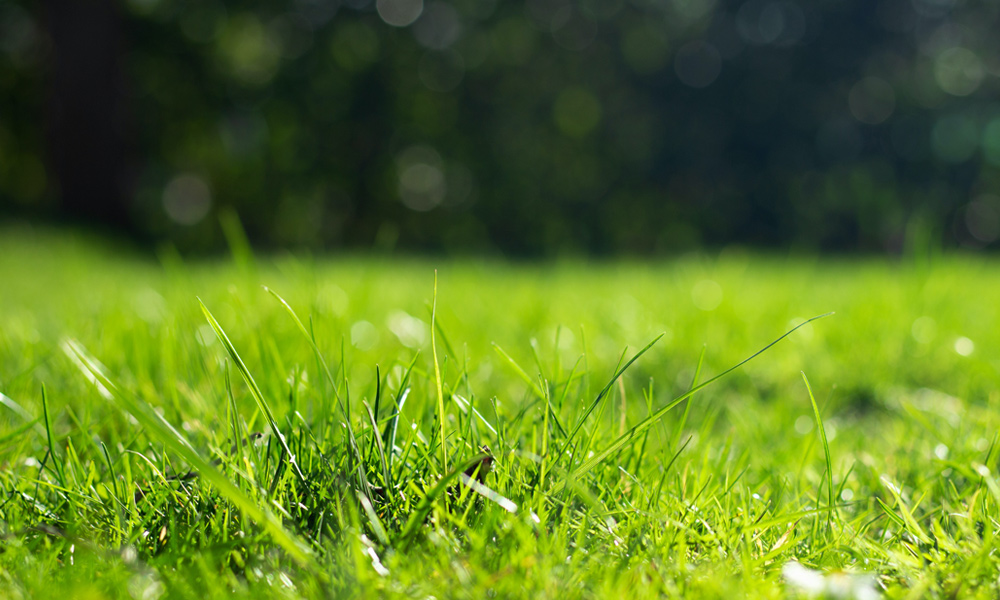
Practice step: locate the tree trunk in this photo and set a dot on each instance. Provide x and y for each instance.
(86, 113)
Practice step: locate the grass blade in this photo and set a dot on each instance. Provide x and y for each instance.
(48, 437)
(254, 390)
(649, 421)
(17, 408)
(826, 445)
(603, 393)
(907, 521)
(161, 430)
(427, 502)
(344, 409)
(437, 376)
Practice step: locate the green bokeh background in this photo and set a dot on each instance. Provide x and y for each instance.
(537, 127)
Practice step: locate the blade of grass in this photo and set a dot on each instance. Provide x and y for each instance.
(17, 408)
(909, 523)
(427, 502)
(535, 388)
(826, 447)
(252, 385)
(344, 407)
(652, 419)
(16, 434)
(236, 238)
(520, 372)
(603, 393)
(161, 430)
(687, 407)
(437, 377)
(48, 436)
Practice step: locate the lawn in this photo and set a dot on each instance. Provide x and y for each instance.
(173, 428)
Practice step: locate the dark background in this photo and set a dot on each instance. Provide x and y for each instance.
(532, 128)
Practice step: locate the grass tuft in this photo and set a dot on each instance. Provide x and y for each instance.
(360, 462)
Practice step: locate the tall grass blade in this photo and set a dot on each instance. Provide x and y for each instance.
(604, 392)
(908, 522)
(826, 446)
(236, 238)
(520, 372)
(19, 410)
(426, 503)
(437, 377)
(254, 390)
(344, 408)
(161, 430)
(687, 407)
(48, 436)
(649, 421)
(535, 388)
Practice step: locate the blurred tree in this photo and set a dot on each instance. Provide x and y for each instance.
(529, 127)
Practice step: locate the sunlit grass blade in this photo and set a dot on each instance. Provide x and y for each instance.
(906, 514)
(254, 390)
(343, 405)
(438, 386)
(826, 446)
(649, 421)
(489, 494)
(520, 372)
(48, 436)
(389, 433)
(687, 407)
(19, 411)
(604, 392)
(162, 431)
(535, 388)
(426, 503)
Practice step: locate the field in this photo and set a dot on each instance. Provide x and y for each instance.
(173, 428)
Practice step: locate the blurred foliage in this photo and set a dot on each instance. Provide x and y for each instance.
(544, 126)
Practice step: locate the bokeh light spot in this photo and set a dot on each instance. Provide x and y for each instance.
(250, 52)
(958, 71)
(187, 199)
(804, 425)
(698, 64)
(761, 22)
(706, 295)
(364, 335)
(411, 331)
(399, 13)
(438, 27)
(964, 346)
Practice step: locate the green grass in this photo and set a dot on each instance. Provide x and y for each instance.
(287, 441)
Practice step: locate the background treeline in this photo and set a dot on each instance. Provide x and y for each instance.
(527, 127)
